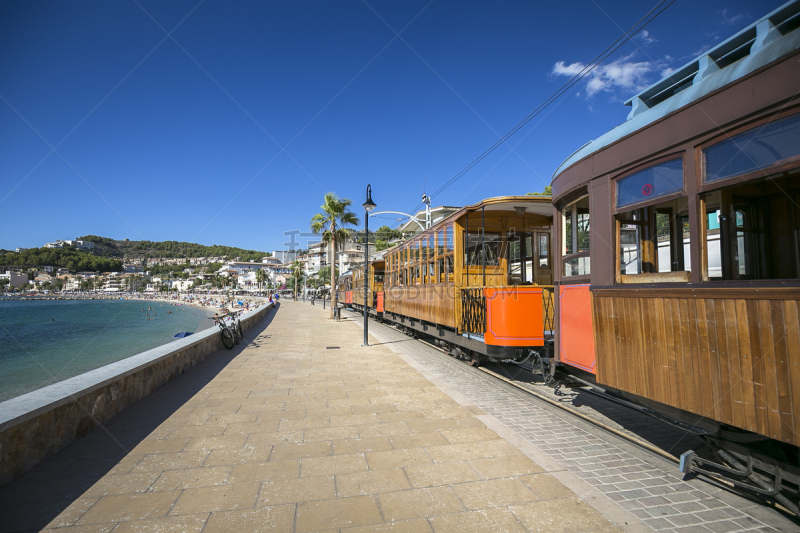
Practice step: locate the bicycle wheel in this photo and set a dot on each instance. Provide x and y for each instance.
(227, 338)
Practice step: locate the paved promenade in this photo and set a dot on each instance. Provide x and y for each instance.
(300, 430)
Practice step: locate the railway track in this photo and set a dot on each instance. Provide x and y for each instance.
(650, 433)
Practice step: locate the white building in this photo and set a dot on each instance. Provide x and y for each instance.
(181, 285)
(316, 258)
(284, 256)
(352, 255)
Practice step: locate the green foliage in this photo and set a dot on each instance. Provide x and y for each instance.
(73, 260)
(324, 274)
(332, 224)
(385, 233)
(548, 191)
(175, 249)
(104, 241)
(169, 249)
(212, 267)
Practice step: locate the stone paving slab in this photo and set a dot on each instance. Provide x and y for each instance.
(302, 429)
(609, 474)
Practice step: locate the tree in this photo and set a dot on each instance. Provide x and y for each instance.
(297, 272)
(325, 273)
(548, 191)
(332, 224)
(261, 277)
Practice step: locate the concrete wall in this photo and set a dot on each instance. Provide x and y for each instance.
(39, 424)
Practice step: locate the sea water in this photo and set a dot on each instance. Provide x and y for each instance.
(43, 341)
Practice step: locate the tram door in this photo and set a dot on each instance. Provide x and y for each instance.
(529, 259)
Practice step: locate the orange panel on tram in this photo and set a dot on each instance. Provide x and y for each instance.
(576, 337)
(514, 316)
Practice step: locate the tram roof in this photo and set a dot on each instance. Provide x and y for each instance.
(533, 204)
(770, 38)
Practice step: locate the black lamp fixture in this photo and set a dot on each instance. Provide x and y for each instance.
(369, 205)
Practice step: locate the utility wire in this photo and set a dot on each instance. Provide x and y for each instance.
(613, 47)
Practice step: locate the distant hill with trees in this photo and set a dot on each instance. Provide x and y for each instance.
(108, 253)
(169, 249)
(70, 259)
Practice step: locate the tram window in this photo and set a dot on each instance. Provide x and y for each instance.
(575, 238)
(654, 240)
(753, 230)
(761, 147)
(520, 258)
(544, 246)
(449, 239)
(440, 242)
(475, 247)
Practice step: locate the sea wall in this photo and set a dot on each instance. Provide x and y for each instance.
(41, 423)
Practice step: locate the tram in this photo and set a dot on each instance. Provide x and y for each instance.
(665, 269)
(479, 281)
(678, 255)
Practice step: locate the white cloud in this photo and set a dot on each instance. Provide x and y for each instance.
(667, 72)
(568, 70)
(730, 19)
(632, 76)
(644, 36)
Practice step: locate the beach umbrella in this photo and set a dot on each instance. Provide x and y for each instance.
(182, 334)
(240, 302)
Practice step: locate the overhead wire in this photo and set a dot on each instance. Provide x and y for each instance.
(610, 49)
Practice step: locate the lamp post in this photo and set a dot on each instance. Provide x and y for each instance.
(369, 205)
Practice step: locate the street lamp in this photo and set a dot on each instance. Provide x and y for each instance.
(369, 205)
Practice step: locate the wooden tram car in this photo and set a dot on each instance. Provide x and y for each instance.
(479, 281)
(685, 294)
(671, 276)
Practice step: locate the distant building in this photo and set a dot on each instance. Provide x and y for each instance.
(48, 269)
(181, 284)
(18, 250)
(132, 269)
(352, 255)
(284, 256)
(15, 279)
(54, 244)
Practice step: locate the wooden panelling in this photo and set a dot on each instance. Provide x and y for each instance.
(734, 360)
(432, 303)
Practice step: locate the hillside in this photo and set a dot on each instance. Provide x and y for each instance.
(108, 253)
(67, 258)
(167, 249)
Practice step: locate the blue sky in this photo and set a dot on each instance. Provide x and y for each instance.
(226, 122)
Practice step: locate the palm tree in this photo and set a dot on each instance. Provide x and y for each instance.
(297, 271)
(332, 224)
(261, 277)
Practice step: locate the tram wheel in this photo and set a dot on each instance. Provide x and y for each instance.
(474, 360)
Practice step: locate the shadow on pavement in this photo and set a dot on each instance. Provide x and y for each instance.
(64, 481)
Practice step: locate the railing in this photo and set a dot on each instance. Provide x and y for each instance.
(548, 311)
(473, 311)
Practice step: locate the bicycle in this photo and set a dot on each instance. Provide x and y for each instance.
(236, 326)
(229, 338)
